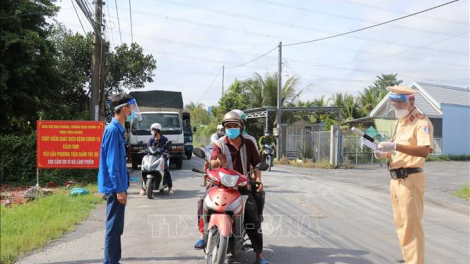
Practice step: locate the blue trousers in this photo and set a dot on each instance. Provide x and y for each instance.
(114, 229)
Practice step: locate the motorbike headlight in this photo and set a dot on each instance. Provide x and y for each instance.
(228, 180)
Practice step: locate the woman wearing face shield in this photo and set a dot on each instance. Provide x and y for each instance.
(411, 142)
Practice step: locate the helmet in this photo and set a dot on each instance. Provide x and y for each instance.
(232, 117)
(156, 126)
(220, 127)
(241, 114)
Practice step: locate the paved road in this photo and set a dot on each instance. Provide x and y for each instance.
(311, 216)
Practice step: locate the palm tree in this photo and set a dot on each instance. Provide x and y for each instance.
(347, 103)
(193, 106)
(263, 91)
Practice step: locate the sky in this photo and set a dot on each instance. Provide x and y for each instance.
(192, 40)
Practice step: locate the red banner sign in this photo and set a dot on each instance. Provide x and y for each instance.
(69, 144)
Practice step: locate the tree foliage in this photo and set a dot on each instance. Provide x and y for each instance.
(45, 68)
(29, 78)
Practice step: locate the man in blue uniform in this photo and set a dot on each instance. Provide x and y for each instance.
(112, 175)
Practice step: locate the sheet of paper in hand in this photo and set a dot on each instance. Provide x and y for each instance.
(369, 144)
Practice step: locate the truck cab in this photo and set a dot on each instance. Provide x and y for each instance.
(172, 128)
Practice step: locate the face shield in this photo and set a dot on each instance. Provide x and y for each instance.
(135, 112)
(398, 106)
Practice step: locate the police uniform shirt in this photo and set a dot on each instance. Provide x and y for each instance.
(415, 130)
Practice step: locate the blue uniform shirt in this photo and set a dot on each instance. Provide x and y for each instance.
(112, 175)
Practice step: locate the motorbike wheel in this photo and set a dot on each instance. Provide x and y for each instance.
(218, 249)
(150, 188)
(269, 162)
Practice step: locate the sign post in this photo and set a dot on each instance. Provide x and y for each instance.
(68, 144)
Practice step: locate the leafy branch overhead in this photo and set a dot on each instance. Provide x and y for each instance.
(45, 69)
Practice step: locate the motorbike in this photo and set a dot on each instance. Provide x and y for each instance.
(224, 211)
(268, 154)
(153, 170)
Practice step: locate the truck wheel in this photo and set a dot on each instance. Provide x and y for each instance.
(135, 164)
(179, 163)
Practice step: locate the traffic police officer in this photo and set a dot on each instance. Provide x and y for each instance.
(411, 143)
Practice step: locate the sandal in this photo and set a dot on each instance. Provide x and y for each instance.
(199, 244)
(171, 192)
(142, 192)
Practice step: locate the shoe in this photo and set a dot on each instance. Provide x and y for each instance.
(199, 244)
(261, 261)
(142, 192)
(171, 192)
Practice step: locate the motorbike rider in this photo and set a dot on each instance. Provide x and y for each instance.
(160, 141)
(236, 152)
(218, 134)
(267, 139)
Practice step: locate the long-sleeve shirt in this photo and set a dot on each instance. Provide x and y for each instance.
(158, 143)
(112, 174)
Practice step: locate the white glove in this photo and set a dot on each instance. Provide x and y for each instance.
(386, 146)
(380, 154)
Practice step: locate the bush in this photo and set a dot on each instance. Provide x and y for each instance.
(448, 158)
(18, 164)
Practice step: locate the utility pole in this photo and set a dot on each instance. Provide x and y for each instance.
(223, 78)
(279, 87)
(97, 53)
(102, 100)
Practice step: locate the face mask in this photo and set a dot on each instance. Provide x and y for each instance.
(266, 135)
(153, 132)
(401, 113)
(131, 116)
(233, 133)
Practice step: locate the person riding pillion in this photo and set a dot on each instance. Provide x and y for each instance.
(218, 134)
(160, 141)
(411, 142)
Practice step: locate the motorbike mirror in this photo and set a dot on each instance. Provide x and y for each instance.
(199, 153)
(263, 166)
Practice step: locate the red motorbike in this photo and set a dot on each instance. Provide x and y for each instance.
(224, 211)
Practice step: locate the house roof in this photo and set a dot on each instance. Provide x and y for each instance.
(445, 94)
(430, 98)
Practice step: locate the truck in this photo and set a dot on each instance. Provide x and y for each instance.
(166, 108)
(188, 135)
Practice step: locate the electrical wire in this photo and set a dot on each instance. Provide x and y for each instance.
(310, 10)
(110, 30)
(130, 14)
(290, 25)
(398, 12)
(373, 26)
(402, 52)
(79, 19)
(119, 23)
(220, 70)
(339, 47)
(155, 15)
(246, 63)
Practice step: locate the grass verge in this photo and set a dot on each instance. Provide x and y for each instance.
(464, 192)
(304, 164)
(448, 158)
(29, 226)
